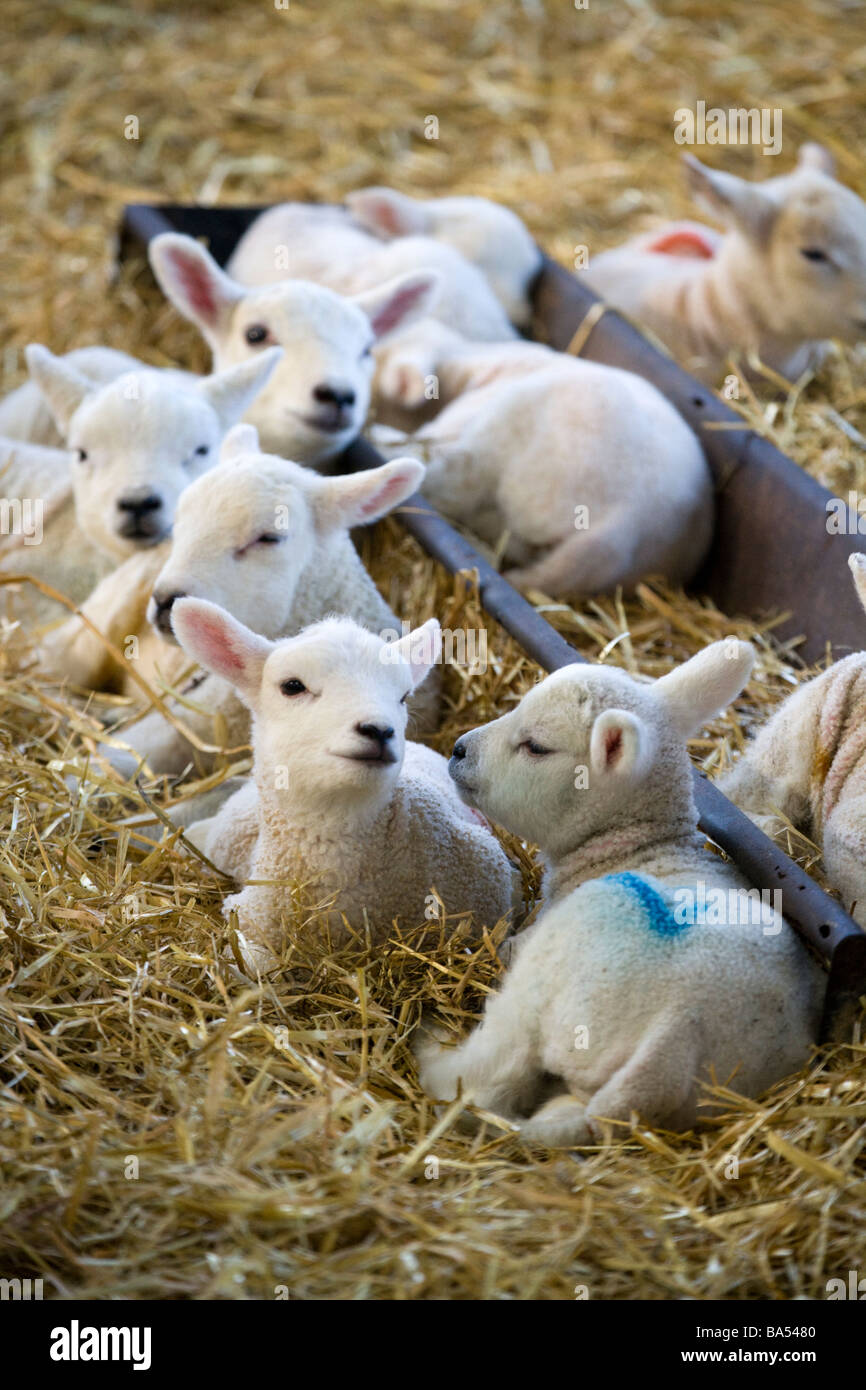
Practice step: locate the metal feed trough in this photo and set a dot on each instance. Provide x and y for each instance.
(771, 540)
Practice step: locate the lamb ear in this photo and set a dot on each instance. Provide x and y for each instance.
(857, 566)
(356, 499)
(399, 301)
(221, 644)
(421, 649)
(240, 440)
(818, 157)
(619, 745)
(732, 199)
(698, 689)
(388, 214)
(233, 391)
(63, 387)
(190, 277)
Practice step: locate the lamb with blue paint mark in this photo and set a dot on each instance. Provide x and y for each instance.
(339, 802)
(807, 768)
(623, 989)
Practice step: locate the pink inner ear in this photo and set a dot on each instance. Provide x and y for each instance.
(214, 646)
(385, 216)
(683, 241)
(612, 745)
(396, 308)
(197, 284)
(383, 497)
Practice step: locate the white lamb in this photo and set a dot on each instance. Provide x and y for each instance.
(317, 400)
(133, 443)
(328, 245)
(808, 766)
(651, 968)
(790, 271)
(589, 474)
(489, 235)
(334, 804)
(269, 541)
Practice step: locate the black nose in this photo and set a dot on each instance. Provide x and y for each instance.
(162, 617)
(338, 396)
(459, 750)
(140, 506)
(377, 732)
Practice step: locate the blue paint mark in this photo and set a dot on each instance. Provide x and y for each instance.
(657, 915)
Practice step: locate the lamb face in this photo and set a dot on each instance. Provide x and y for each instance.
(492, 237)
(140, 440)
(803, 235)
(333, 714)
(329, 706)
(590, 749)
(317, 400)
(245, 535)
(552, 770)
(242, 542)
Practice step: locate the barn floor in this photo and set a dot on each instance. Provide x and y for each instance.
(167, 1128)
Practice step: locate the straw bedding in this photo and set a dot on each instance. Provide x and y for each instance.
(167, 1127)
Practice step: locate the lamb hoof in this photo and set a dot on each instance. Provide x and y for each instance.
(428, 1046)
(257, 959)
(126, 764)
(560, 1124)
(403, 383)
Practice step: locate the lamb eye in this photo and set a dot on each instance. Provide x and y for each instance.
(268, 539)
(255, 334)
(404, 698)
(293, 687)
(536, 750)
(202, 450)
(368, 351)
(814, 253)
(82, 455)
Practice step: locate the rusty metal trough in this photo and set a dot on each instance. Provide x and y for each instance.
(771, 541)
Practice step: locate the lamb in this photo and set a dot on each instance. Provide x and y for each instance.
(789, 272)
(317, 400)
(36, 469)
(327, 245)
(489, 236)
(133, 441)
(807, 766)
(138, 440)
(267, 539)
(592, 477)
(338, 799)
(650, 967)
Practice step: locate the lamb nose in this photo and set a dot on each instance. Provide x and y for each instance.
(163, 605)
(459, 750)
(333, 395)
(376, 732)
(163, 610)
(139, 506)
